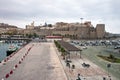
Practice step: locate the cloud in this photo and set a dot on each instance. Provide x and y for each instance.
(24, 11)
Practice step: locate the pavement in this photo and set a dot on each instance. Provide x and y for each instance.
(36, 61)
(94, 72)
(42, 61)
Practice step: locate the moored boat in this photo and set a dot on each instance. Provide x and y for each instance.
(11, 49)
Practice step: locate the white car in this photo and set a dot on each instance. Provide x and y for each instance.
(84, 47)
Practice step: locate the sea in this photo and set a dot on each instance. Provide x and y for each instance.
(3, 49)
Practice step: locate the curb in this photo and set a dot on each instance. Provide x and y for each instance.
(61, 62)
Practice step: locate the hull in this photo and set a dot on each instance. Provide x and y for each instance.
(11, 49)
(9, 52)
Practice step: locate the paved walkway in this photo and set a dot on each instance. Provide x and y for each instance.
(9, 63)
(93, 72)
(39, 63)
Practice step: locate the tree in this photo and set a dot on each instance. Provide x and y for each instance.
(30, 35)
(35, 35)
(111, 56)
(63, 52)
(49, 25)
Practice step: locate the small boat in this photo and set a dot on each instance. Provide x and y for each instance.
(11, 49)
(2, 41)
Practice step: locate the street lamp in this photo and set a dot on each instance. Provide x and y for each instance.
(81, 26)
(80, 53)
(108, 66)
(81, 20)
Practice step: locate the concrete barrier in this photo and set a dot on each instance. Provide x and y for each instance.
(8, 58)
(7, 75)
(19, 62)
(5, 60)
(21, 59)
(23, 56)
(11, 72)
(16, 66)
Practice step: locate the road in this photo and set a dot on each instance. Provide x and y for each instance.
(41, 63)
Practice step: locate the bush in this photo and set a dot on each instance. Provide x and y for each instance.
(111, 56)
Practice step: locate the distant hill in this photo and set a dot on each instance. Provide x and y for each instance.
(117, 35)
(113, 35)
(4, 25)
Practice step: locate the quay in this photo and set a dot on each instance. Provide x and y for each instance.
(43, 61)
(10, 40)
(35, 61)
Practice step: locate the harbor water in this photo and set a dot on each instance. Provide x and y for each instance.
(3, 48)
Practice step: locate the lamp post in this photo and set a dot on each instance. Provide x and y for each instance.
(80, 53)
(81, 20)
(108, 66)
(81, 26)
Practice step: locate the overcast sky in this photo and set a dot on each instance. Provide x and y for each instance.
(23, 12)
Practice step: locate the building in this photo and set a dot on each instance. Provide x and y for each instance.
(52, 38)
(69, 30)
(100, 30)
(80, 30)
(31, 26)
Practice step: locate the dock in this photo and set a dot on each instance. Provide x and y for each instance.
(35, 61)
(43, 61)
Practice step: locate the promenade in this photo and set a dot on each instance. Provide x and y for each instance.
(42, 61)
(93, 72)
(36, 61)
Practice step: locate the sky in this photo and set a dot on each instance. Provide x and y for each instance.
(23, 12)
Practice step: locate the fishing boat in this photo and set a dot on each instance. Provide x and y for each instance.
(11, 49)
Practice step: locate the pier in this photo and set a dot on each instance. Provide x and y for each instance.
(10, 40)
(42, 61)
(35, 61)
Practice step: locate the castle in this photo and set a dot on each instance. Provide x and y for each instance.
(71, 30)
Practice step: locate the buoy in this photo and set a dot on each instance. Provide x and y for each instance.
(23, 56)
(10, 55)
(19, 62)
(21, 59)
(5, 60)
(16, 66)
(7, 75)
(11, 72)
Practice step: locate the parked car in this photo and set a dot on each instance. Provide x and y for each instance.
(68, 60)
(84, 47)
(85, 65)
(117, 47)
